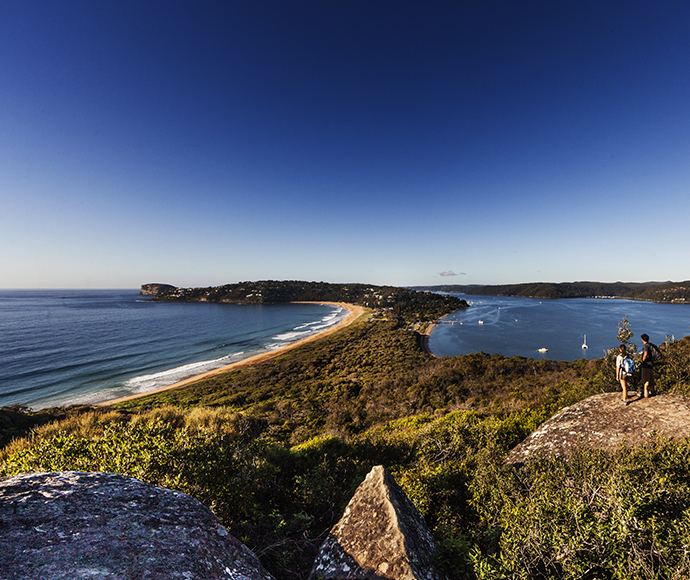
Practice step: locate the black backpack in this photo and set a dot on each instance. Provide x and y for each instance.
(654, 352)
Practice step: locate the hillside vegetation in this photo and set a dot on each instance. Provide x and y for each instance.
(676, 292)
(404, 303)
(277, 449)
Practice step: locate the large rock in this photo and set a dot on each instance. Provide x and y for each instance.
(155, 289)
(604, 422)
(381, 535)
(72, 525)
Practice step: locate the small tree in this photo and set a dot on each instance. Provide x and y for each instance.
(625, 334)
(673, 375)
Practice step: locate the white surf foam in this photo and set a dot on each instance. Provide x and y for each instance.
(310, 328)
(149, 382)
(294, 335)
(145, 383)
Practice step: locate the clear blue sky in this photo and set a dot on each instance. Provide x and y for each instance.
(387, 142)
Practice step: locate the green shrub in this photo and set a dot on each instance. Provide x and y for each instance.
(624, 515)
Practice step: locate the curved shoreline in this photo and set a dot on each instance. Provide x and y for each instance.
(425, 338)
(354, 310)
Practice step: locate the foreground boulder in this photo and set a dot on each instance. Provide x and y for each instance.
(381, 535)
(604, 422)
(74, 525)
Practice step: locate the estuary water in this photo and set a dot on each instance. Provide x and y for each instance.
(60, 347)
(521, 326)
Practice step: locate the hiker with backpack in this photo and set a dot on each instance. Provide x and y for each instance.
(624, 370)
(650, 355)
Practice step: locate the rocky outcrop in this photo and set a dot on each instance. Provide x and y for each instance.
(155, 289)
(381, 535)
(604, 422)
(72, 525)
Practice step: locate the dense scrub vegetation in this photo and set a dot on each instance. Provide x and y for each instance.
(373, 372)
(653, 291)
(277, 449)
(595, 515)
(16, 421)
(407, 304)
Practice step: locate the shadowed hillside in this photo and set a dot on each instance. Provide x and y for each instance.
(676, 292)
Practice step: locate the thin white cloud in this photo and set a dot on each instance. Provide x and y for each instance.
(448, 273)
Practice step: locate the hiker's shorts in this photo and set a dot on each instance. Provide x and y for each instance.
(647, 376)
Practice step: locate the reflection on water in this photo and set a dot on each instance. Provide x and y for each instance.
(522, 326)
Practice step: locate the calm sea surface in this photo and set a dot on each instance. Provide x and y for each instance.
(521, 326)
(62, 347)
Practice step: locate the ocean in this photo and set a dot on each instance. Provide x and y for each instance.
(63, 347)
(521, 326)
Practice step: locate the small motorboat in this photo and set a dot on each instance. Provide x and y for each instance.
(481, 322)
(542, 350)
(584, 344)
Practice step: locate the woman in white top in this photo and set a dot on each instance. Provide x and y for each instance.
(621, 375)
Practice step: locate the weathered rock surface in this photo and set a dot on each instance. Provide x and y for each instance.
(381, 535)
(604, 422)
(72, 525)
(154, 289)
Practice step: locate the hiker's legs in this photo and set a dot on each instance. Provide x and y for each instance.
(647, 378)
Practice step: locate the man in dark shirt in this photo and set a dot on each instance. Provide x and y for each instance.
(646, 368)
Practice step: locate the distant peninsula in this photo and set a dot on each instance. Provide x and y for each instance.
(674, 292)
(407, 304)
(155, 289)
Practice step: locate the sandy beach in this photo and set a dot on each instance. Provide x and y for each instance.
(425, 338)
(354, 312)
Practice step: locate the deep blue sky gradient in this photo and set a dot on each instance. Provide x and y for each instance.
(202, 143)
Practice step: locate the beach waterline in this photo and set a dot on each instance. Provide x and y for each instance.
(67, 347)
(354, 312)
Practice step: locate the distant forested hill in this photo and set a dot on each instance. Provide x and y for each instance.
(653, 291)
(408, 304)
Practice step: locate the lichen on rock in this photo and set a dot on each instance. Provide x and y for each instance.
(74, 525)
(604, 422)
(380, 535)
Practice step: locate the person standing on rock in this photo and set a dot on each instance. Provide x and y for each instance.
(621, 373)
(647, 368)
